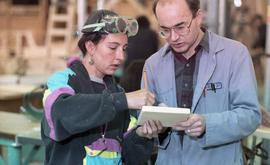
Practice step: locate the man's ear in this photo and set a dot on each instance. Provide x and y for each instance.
(90, 47)
(200, 16)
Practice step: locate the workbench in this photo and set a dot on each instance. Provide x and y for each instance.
(11, 96)
(261, 132)
(17, 130)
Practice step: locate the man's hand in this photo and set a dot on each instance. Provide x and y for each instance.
(150, 129)
(139, 98)
(194, 126)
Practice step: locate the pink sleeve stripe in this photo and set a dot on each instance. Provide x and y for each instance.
(48, 106)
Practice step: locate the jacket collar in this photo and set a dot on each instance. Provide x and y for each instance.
(83, 76)
(207, 66)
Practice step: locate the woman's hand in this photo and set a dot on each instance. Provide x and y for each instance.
(139, 98)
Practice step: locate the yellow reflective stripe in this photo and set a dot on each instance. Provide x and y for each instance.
(132, 123)
(103, 154)
(84, 161)
(45, 95)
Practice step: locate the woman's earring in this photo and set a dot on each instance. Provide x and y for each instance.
(91, 61)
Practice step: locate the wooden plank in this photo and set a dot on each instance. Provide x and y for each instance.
(13, 124)
(60, 17)
(3, 44)
(14, 91)
(32, 136)
(262, 132)
(11, 96)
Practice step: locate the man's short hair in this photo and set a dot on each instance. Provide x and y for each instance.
(194, 6)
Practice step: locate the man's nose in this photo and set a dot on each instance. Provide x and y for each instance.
(174, 36)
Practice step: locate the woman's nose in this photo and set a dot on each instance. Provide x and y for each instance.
(121, 55)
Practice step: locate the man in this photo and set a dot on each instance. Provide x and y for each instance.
(211, 75)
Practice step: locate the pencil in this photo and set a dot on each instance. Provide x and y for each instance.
(145, 82)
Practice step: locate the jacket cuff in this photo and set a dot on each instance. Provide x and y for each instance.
(136, 149)
(119, 101)
(163, 136)
(164, 139)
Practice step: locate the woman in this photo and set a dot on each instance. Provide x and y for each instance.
(86, 113)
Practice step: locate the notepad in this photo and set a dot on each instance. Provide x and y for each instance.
(168, 116)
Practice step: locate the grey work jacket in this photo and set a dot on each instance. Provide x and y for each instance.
(231, 110)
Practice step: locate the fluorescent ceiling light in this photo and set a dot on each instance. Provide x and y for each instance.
(237, 3)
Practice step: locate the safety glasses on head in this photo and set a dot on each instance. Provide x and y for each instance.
(114, 24)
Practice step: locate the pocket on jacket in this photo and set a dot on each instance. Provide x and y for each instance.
(97, 160)
(215, 101)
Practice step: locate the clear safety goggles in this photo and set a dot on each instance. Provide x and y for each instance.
(125, 25)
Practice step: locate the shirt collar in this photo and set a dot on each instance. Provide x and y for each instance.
(96, 79)
(205, 40)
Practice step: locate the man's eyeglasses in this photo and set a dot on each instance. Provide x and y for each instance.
(181, 30)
